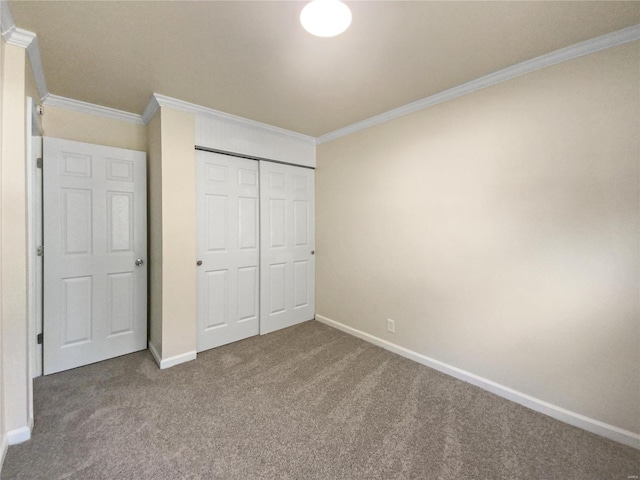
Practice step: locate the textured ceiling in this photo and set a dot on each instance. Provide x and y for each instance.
(253, 59)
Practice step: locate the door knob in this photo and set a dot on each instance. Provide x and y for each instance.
(199, 262)
(139, 262)
(313, 252)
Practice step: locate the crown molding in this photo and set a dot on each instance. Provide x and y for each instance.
(25, 39)
(92, 109)
(33, 50)
(6, 19)
(29, 41)
(603, 42)
(150, 110)
(19, 37)
(157, 100)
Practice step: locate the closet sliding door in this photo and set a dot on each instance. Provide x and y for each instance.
(228, 249)
(256, 241)
(287, 244)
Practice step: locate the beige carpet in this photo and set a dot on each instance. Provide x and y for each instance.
(308, 402)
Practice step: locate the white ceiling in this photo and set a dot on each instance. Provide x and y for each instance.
(253, 59)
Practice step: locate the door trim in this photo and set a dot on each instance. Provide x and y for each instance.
(34, 230)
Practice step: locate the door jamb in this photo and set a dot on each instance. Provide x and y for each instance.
(34, 219)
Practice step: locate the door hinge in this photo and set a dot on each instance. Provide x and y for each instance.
(39, 162)
(39, 338)
(40, 251)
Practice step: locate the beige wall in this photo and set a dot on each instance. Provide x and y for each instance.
(154, 244)
(84, 127)
(13, 254)
(172, 214)
(500, 231)
(178, 233)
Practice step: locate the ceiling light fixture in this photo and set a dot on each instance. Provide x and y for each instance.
(325, 18)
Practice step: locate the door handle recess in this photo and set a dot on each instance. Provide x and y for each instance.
(139, 262)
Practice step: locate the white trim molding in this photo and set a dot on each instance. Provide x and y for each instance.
(157, 100)
(231, 133)
(19, 37)
(6, 18)
(603, 42)
(572, 418)
(33, 50)
(18, 435)
(25, 39)
(177, 359)
(171, 361)
(150, 110)
(4, 446)
(92, 109)
(28, 40)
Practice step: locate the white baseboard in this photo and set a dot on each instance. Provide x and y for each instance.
(18, 435)
(4, 446)
(171, 361)
(13, 437)
(177, 359)
(577, 420)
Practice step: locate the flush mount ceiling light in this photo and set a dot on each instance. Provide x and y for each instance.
(325, 18)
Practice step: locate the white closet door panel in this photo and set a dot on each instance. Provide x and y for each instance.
(228, 247)
(248, 294)
(95, 297)
(287, 264)
(217, 304)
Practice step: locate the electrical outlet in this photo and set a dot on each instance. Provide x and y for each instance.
(391, 325)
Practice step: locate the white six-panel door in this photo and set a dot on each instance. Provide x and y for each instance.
(228, 248)
(287, 219)
(95, 296)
